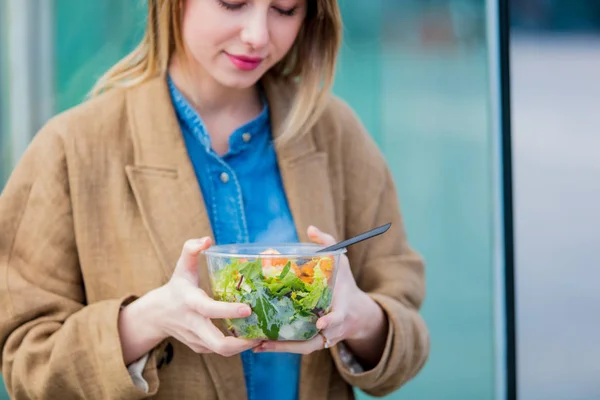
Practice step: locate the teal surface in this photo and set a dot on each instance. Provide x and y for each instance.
(439, 151)
(424, 97)
(417, 76)
(90, 37)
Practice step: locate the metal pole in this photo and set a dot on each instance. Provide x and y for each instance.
(45, 68)
(30, 70)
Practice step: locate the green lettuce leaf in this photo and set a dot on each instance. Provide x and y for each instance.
(315, 290)
(252, 271)
(226, 281)
(284, 284)
(271, 313)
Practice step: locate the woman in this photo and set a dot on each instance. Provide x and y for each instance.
(220, 127)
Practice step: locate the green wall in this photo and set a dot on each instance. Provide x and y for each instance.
(417, 74)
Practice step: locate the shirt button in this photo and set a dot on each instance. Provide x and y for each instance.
(224, 177)
(246, 137)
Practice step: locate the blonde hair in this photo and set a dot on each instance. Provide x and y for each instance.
(311, 60)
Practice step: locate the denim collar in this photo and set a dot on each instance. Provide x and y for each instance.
(189, 117)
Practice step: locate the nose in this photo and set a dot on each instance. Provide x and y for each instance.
(255, 32)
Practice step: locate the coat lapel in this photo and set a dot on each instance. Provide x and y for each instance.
(170, 201)
(162, 177)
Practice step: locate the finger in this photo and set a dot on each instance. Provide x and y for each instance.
(335, 334)
(224, 345)
(191, 340)
(319, 237)
(209, 308)
(298, 347)
(188, 260)
(331, 320)
(191, 331)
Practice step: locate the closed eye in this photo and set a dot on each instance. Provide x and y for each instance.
(230, 6)
(288, 13)
(237, 6)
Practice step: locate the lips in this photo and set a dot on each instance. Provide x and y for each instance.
(245, 63)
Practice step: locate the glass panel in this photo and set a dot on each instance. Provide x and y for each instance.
(359, 73)
(555, 54)
(90, 37)
(425, 98)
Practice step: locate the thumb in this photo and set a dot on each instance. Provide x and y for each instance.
(187, 265)
(319, 237)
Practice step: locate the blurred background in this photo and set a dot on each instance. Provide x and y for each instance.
(424, 77)
(555, 73)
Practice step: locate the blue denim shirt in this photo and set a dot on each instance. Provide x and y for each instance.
(246, 202)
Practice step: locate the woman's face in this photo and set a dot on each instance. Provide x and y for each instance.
(236, 41)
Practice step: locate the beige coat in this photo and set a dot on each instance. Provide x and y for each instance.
(97, 211)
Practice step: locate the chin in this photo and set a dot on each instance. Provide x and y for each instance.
(238, 82)
(242, 84)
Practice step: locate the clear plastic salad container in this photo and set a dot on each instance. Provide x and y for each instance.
(288, 286)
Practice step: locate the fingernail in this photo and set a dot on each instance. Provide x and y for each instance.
(197, 245)
(244, 311)
(321, 324)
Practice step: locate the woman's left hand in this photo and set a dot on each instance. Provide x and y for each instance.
(354, 316)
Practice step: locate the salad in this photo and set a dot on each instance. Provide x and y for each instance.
(287, 296)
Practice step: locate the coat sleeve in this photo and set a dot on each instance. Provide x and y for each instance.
(386, 267)
(54, 345)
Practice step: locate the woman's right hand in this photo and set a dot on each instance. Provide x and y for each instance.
(182, 310)
(187, 310)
